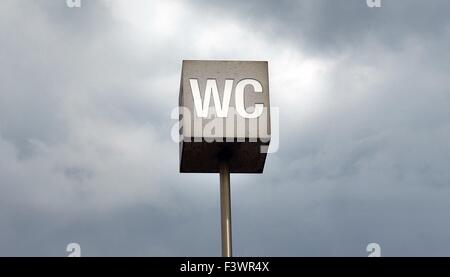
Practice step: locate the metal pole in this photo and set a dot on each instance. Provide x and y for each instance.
(225, 209)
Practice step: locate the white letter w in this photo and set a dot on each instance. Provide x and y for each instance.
(211, 88)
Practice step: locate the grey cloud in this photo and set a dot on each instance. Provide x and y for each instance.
(323, 26)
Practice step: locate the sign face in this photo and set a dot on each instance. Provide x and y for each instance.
(224, 114)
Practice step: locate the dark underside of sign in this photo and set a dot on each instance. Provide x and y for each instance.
(242, 157)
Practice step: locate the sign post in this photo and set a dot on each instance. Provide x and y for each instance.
(225, 209)
(224, 124)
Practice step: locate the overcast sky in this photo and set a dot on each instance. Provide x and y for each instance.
(86, 154)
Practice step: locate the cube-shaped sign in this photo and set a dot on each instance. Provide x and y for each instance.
(224, 115)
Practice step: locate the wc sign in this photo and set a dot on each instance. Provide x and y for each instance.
(224, 110)
(221, 109)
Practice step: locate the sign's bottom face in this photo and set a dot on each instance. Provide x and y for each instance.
(201, 157)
